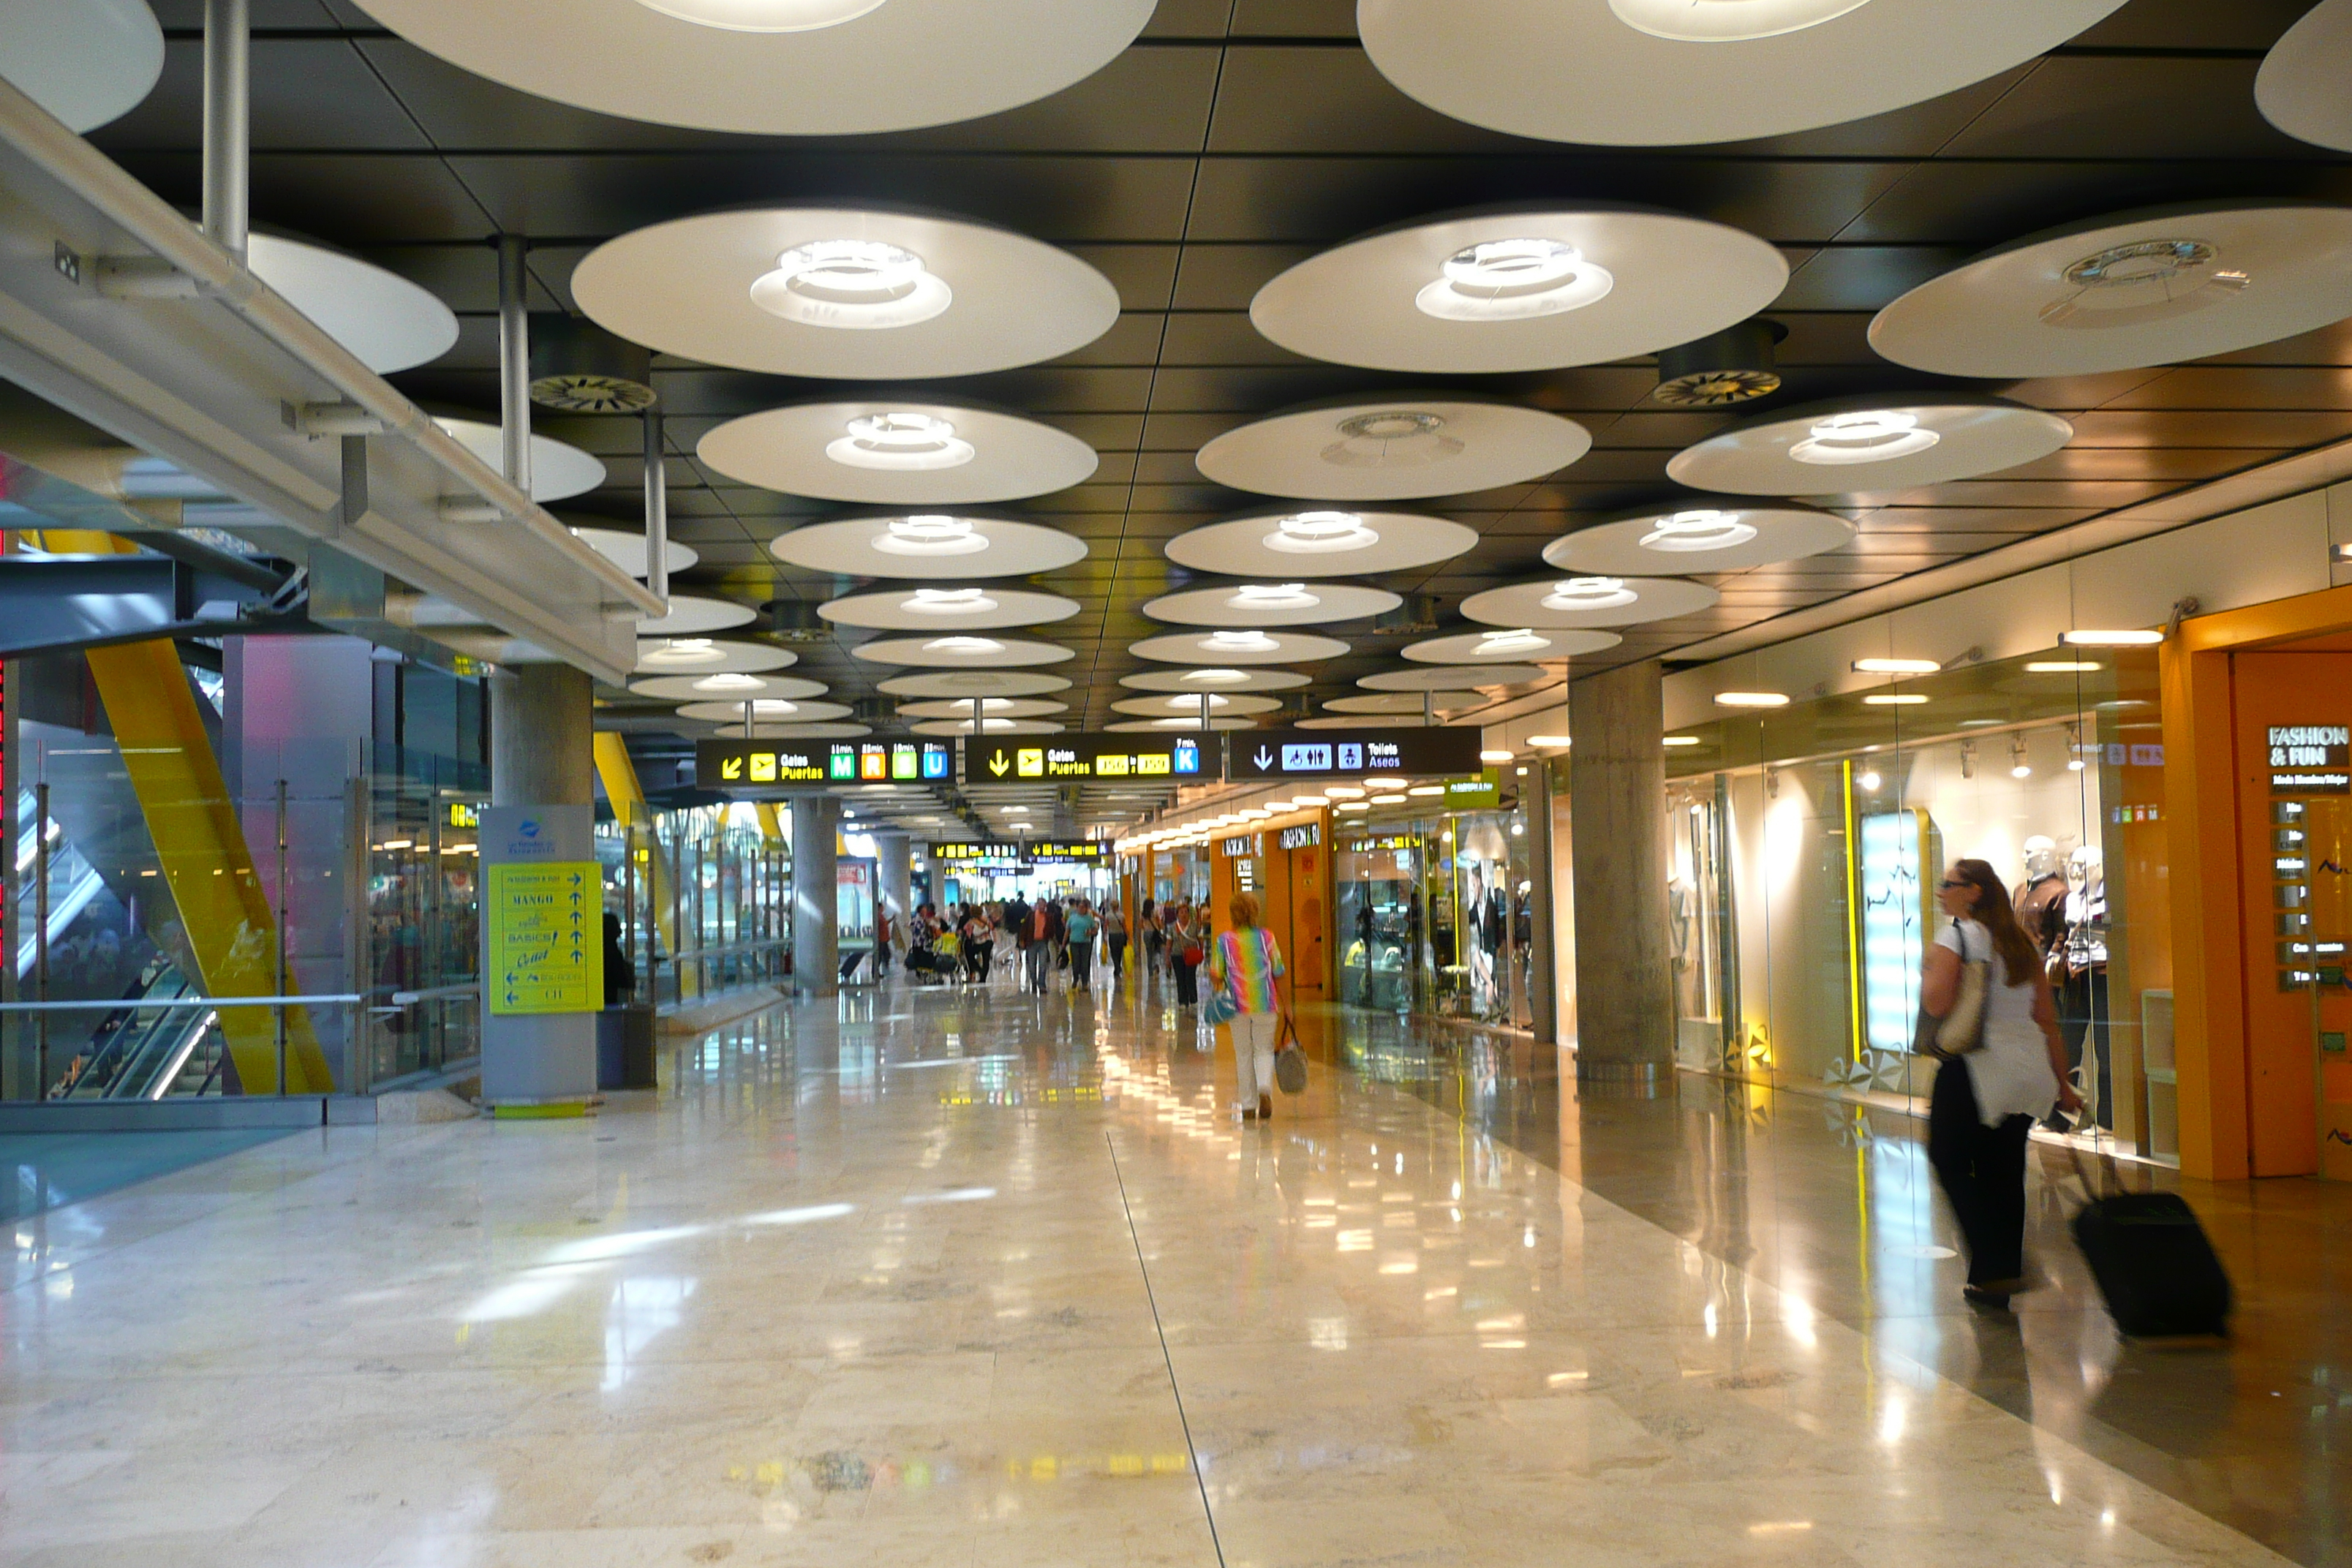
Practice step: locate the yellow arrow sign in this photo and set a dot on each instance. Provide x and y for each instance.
(732, 768)
(998, 763)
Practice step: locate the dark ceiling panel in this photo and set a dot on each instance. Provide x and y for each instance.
(2108, 106)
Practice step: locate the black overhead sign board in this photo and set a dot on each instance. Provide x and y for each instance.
(1251, 754)
(740, 765)
(1023, 759)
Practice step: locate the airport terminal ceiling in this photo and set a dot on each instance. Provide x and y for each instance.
(1233, 142)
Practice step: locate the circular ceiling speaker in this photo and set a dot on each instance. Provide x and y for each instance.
(1153, 726)
(1271, 604)
(1456, 677)
(579, 367)
(1213, 677)
(1520, 643)
(87, 62)
(968, 683)
(709, 656)
(1248, 646)
(946, 611)
(1576, 602)
(777, 68)
(1724, 537)
(989, 727)
(1661, 73)
(957, 651)
(1519, 289)
(990, 708)
(843, 293)
(2129, 290)
(1394, 450)
(2300, 87)
(899, 452)
(1409, 702)
(629, 550)
(1885, 442)
(845, 732)
(689, 615)
(725, 685)
(1734, 365)
(387, 322)
(558, 470)
(1322, 542)
(1189, 706)
(766, 711)
(929, 544)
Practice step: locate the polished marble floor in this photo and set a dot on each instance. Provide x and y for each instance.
(968, 1277)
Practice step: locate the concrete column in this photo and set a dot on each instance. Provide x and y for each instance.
(1617, 794)
(897, 852)
(1534, 805)
(816, 896)
(542, 736)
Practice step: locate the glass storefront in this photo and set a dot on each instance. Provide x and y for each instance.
(1806, 843)
(1436, 913)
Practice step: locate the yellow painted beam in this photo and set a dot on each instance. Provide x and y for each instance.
(628, 801)
(769, 828)
(200, 845)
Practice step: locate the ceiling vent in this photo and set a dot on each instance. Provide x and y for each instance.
(580, 368)
(796, 620)
(1730, 366)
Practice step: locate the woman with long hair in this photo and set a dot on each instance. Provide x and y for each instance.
(1988, 1098)
(1246, 964)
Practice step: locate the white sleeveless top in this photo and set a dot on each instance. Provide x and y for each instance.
(2012, 1073)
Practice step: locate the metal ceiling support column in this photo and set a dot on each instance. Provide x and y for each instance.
(514, 361)
(228, 123)
(657, 508)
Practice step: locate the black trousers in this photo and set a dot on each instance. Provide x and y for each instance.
(1982, 1171)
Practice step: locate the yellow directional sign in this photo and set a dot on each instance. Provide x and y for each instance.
(546, 941)
(1089, 756)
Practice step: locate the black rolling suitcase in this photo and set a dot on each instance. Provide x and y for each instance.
(2154, 1267)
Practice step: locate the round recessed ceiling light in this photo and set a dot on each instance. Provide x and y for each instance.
(1246, 646)
(387, 322)
(1213, 680)
(2129, 291)
(1322, 543)
(86, 63)
(727, 686)
(931, 535)
(2300, 87)
(1260, 605)
(557, 470)
(970, 683)
(1594, 602)
(989, 727)
(763, 707)
(853, 285)
(1869, 444)
(1512, 281)
(1456, 677)
(769, 289)
(1725, 539)
(1272, 596)
(1515, 643)
(664, 656)
(1681, 72)
(765, 16)
(777, 68)
(990, 708)
(1413, 703)
(960, 652)
(927, 545)
(1519, 289)
(942, 610)
(1354, 450)
(1188, 705)
(902, 441)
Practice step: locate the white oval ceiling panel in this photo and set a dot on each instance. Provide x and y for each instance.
(87, 62)
(990, 708)
(1881, 442)
(958, 650)
(1368, 722)
(848, 732)
(1148, 726)
(1456, 677)
(989, 727)
(777, 68)
(970, 683)
(1576, 602)
(1519, 643)
(725, 685)
(1655, 73)
(1408, 702)
(709, 656)
(1393, 449)
(629, 552)
(1272, 605)
(2300, 87)
(929, 544)
(1519, 289)
(946, 611)
(689, 615)
(387, 322)
(899, 452)
(2129, 290)
(1247, 646)
(1213, 677)
(1322, 542)
(766, 711)
(1189, 707)
(1723, 537)
(558, 470)
(845, 293)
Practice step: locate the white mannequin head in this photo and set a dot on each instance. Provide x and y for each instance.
(2041, 856)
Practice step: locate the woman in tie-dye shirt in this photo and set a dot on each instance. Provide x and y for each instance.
(1246, 964)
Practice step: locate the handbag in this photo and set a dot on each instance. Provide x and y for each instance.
(1222, 1005)
(1961, 1030)
(1289, 1061)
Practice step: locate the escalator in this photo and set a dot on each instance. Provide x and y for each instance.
(144, 1051)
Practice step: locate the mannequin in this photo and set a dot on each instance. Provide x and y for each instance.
(2083, 981)
(2040, 900)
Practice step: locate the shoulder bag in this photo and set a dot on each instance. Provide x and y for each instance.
(1220, 1004)
(1961, 1030)
(1289, 1061)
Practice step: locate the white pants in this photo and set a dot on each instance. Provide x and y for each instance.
(1254, 1037)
